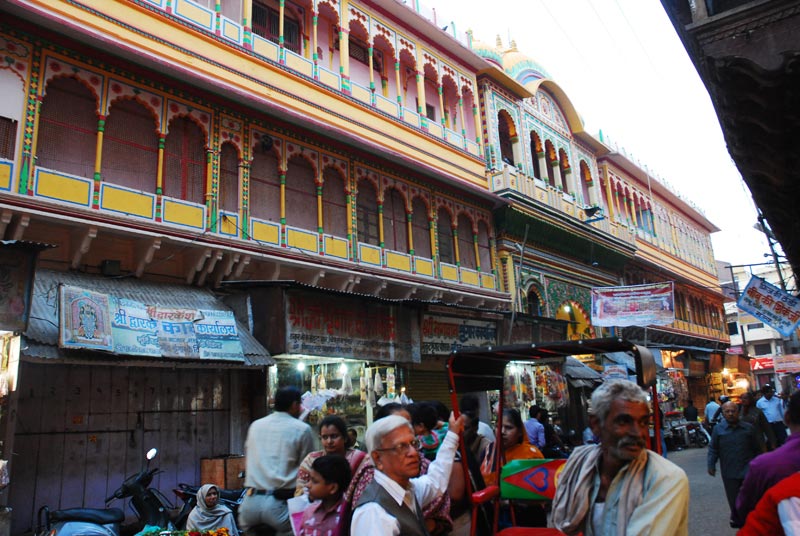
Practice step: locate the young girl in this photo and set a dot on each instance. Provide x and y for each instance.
(327, 515)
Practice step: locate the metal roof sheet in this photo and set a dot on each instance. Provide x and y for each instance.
(43, 326)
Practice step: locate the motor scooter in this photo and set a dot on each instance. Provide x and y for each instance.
(149, 505)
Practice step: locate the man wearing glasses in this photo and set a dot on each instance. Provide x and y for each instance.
(392, 503)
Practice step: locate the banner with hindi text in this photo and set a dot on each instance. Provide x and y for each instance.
(637, 305)
(771, 305)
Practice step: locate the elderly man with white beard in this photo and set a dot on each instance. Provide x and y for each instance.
(619, 487)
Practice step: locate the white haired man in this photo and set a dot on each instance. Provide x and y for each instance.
(618, 487)
(392, 503)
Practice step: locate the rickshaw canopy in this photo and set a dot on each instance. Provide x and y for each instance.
(482, 369)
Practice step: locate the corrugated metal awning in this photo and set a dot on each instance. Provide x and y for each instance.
(580, 375)
(41, 337)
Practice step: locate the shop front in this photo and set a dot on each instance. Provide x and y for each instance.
(109, 368)
(347, 354)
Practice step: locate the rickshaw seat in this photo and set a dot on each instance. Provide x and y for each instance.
(532, 480)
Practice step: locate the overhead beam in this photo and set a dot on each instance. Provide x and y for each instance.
(145, 252)
(81, 242)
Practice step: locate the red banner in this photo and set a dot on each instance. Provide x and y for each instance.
(761, 363)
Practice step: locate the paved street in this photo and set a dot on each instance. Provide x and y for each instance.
(708, 508)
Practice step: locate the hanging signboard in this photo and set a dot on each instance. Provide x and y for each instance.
(442, 334)
(349, 327)
(786, 364)
(761, 363)
(638, 305)
(139, 329)
(615, 372)
(134, 332)
(771, 305)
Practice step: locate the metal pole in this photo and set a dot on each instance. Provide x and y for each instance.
(762, 223)
(518, 283)
(741, 328)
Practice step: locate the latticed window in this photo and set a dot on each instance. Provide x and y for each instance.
(444, 236)
(301, 194)
(8, 137)
(420, 229)
(228, 178)
(367, 214)
(185, 161)
(394, 220)
(484, 247)
(466, 245)
(266, 23)
(130, 146)
(67, 135)
(265, 186)
(334, 204)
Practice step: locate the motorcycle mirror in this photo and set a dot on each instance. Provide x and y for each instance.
(151, 454)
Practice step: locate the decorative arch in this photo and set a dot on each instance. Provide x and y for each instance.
(535, 301)
(93, 81)
(311, 156)
(67, 133)
(559, 96)
(551, 160)
(152, 102)
(564, 169)
(200, 117)
(586, 181)
(580, 326)
(367, 214)
(507, 137)
(130, 145)
(421, 221)
(395, 219)
(274, 145)
(300, 195)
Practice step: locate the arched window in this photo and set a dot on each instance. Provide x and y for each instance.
(484, 248)
(301, 194)
(420, 227)
(444, 236)
(228, 178)
(395, 228)
(367, 213)
(14, 97)
(586, 181)
(185, 161)
(466, 244)
(130, 146)
(536, 149)
(334, 203)
(505, 130)
(265, 185)
(67, 136)
(563, 168)
(534, 304)
(552, 162)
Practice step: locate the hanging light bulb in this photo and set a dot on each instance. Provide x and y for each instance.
(301, 367)
(342, 369)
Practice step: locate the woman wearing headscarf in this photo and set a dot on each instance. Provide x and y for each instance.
(209, 515)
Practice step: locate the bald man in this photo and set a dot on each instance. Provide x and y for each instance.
(734, 443)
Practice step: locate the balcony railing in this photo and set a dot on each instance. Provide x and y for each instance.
(51, 186)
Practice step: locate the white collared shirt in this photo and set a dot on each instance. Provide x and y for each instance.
(371, 519)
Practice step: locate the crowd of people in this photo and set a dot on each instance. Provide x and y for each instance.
(755, 456)
(411, 479)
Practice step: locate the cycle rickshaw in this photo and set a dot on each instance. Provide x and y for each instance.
(484, 369)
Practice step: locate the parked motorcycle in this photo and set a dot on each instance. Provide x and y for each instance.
(698, 436)
(150, 506)
(231, 498)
